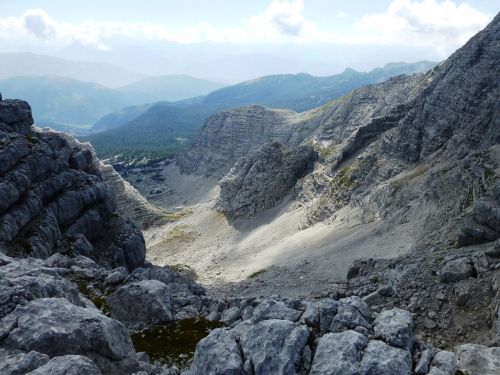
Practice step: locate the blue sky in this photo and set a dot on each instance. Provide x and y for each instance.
(185, 12)
(390, 30)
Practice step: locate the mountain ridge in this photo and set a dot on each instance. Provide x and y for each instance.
(293, 91)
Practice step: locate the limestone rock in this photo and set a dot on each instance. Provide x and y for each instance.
(382, 359)
(274, 347)
(13, 362)
(456, 269)
(271, 309)
(68, 365)
(141, 304)
(55, 327)
(443, 363)
(339, 354)
(478, 359)
(395, 327)
(217, 354)
(260, 181)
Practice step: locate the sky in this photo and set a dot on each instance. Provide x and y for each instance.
(406, 29)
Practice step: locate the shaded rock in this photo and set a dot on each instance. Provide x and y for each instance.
(347, 317)
(456, 270)
(15, 116)
(443, 363)
(463, 292)
(359, 304)
(424, 362)
(141, 304)
(261, 181)
(327, 309)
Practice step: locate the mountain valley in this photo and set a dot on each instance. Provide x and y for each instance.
(288, 225)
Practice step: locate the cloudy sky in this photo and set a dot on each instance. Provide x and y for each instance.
(97, 29)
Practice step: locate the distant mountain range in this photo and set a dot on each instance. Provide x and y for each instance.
(157, 132)
(57, 100)
(301, 92)
(64, 102)
(29, 64)
(169, 87)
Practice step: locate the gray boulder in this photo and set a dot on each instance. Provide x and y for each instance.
(141, 304)
(456, 270)
(217, 354)
(271, 309)
(443, 363)
(56, 327)
(68, 365)
(14, 362)
(478, 359)
(327, 309)
(273, 347)
(347, 317)
(339, 354)
(382, 359)
(230, 316)
(395, 327)
(15, 116)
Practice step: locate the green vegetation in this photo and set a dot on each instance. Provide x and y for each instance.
(343, 178)
(177, 215)
(175, 343)
(94, 293)
(180, 233)
(186, 271)
(257, 273)
(158, 132)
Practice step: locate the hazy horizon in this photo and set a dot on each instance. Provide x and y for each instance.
(228, 42)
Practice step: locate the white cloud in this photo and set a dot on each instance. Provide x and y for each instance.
(442, 25)
(284, 17)
(38, 23)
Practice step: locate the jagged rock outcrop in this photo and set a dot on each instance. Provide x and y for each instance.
(53, 197)
(130, 202)
(420, 148)
(227, 136)
(261, 181)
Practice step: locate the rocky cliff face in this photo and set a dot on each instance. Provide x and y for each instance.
(389, 149)
(53, 197)
(230, 135)
(261, 181)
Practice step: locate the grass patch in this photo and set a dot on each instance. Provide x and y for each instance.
(180, 233)
(173, 344)
(177, 215)
(97, 298)
(253, 275)
(185, 271)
